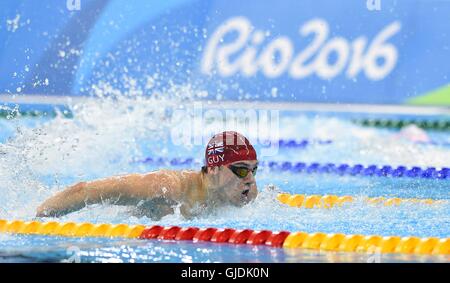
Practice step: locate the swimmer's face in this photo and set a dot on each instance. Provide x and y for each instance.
(235, 189)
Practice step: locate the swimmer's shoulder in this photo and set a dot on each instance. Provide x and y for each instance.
(195, 191)
(191, 190)
(179, 175)
(161, 176)
(178, 178)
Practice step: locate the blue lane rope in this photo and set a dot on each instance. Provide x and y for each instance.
(327, 168)
(302, 143)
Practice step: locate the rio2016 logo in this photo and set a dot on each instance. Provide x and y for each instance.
(351, 56)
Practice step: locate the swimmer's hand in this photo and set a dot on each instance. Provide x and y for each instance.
(62, 203)
(43, 211)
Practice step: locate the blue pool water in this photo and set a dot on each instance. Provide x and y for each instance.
(40, 156)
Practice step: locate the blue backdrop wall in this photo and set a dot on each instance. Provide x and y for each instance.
(351, 51)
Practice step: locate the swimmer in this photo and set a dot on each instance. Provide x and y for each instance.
(227, 178)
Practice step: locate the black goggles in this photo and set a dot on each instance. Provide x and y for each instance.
(242, 171)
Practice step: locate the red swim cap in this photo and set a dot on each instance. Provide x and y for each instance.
(228, 147)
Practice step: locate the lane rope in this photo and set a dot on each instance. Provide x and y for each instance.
(285, 239)
(443, 125)
(327, 168)
(329, 201)
(9, 114)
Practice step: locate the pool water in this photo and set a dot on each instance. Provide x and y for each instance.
(98, 250)
(40, 156)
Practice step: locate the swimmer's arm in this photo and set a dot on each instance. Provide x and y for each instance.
(124, 190)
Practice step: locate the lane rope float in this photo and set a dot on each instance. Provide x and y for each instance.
(327, 168)
(329, 201)
(359, 169)
(443, 125)
(285, 239)
(9, 114)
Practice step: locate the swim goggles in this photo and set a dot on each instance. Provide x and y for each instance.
(241, 171)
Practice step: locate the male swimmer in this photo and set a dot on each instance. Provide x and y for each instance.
(228, 178)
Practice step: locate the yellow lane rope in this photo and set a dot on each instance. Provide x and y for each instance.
(71, 229)
(328, 201)
(368, 244)
(320, 241)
